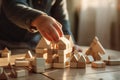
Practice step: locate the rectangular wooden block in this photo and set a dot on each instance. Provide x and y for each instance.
(22, 72)
(52, 51)
(98, 64)
(20, 59)
(39, 69)
(62, 52)
(62, 59)
(59, 65)
(39, 55)
(39, 62)
(5, 53)
(112, 62)
(22, 63)
(42, 50)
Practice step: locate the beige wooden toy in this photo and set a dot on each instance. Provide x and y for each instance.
(98, 64)
(6, 53)
(95, 49)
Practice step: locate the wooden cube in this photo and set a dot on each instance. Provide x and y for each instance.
(22, 63)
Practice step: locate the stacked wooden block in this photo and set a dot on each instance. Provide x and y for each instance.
(56, 54)
(77, 60)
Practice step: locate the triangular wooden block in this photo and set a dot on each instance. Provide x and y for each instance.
(82, 59)
(4, 76)
(63, 43)
(98, 45)
(5, 53)
(77, 55)
(28, 54)
(95, 49)
(43, 43)
(73, 59)
(6, 50)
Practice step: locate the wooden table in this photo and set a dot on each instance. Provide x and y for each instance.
(108, 73)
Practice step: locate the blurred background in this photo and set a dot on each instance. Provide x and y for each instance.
(90, 18)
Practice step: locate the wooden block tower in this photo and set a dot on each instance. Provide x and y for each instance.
(56, 54)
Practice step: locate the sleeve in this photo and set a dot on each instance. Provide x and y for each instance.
(59, 12)
(19, 12)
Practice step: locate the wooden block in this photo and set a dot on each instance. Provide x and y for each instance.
(22, 72)
(62, 59)
(20, 59)
(73, 64)
(5, 53)
(63, 43)
(98, 64)
(97, 56)
(22, 63)
(39, 65)
(61, 65)
(81, 65)
(50, 51)
(73, 59)
(28, 54)
(39, 55)
(38, 69)
(113, 62)
(77, 55)
(39, 62)
(30, 59)
(62, 52)
(15, 73)
(43, 43)
(95, 49)
(82, 59)
(89, 59)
